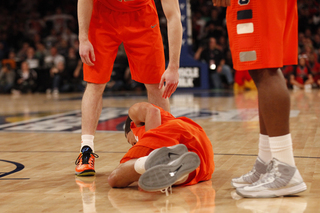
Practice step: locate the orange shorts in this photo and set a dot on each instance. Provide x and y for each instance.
(139, 31)
(263, 34)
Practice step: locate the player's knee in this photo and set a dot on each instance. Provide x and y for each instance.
(112, 180)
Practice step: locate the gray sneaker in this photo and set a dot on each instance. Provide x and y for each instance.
(254, 175)
(165, 155)
(280, 179)
(161, 177)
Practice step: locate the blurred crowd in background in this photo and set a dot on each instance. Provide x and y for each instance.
(39, 48)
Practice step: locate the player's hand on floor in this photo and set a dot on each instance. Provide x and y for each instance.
(87, 53)
(171, 77)
(221, 3)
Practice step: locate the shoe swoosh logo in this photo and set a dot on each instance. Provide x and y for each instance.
(175, 171)
(153, 26)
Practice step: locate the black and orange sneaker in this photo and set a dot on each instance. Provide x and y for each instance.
(85, 162)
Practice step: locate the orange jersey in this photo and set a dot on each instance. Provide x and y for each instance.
(173, 131)
(263, 34)
(125, 5)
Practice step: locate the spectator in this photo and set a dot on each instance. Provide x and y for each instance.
(309, 51)
(287, 71)
(53, 59)
(40, 53)
(7, 77)
(31, 59)
(72, 72)
(314, 66)
(301, 77)
(214, 58)
(69, 36)
(10, 60)
(55, 73)
(63, 47)
(212, 30)
(26, 79)
(59, 20)
(22, 54)
(52, 39)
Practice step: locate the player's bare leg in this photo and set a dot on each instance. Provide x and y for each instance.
(155, 96)
(91, 107)
(91, 110)
(274, 101)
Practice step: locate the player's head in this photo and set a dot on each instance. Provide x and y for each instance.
(128, 133)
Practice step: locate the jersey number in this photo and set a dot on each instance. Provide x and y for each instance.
(244, 2)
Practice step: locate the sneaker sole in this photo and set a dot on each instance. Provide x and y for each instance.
(238, 185)
(273, 193)
(86, 173)
(162, 176)
(165, 155)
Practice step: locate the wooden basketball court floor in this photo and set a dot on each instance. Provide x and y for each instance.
(40, 140)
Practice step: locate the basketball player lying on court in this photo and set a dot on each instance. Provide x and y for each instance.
(165, 151)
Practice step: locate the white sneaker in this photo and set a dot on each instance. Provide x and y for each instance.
(254, 175)
(162, 177)
(280, 179)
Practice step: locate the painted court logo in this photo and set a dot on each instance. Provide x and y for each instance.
(113, 119)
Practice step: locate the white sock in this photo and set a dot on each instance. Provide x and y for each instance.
(139, 165)
(87, 140)
(281, 148)
(182, 179)
(264, 149)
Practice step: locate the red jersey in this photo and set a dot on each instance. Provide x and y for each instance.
(174, 131)
(125, 5)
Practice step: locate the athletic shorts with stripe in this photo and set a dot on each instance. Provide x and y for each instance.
(139, 31)
(263, 34)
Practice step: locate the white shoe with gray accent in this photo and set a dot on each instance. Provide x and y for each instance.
(161, 177)
(280, 179)
(165, 155)
(259, 168)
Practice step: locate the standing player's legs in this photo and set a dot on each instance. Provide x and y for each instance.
(282, 176)
(104, 38)
(263, 57)
(155, 96)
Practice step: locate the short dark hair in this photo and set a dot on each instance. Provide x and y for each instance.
(127, 125)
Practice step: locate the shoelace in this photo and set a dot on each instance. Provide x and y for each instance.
(272, 173)
(80, 156)
(167, 190)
